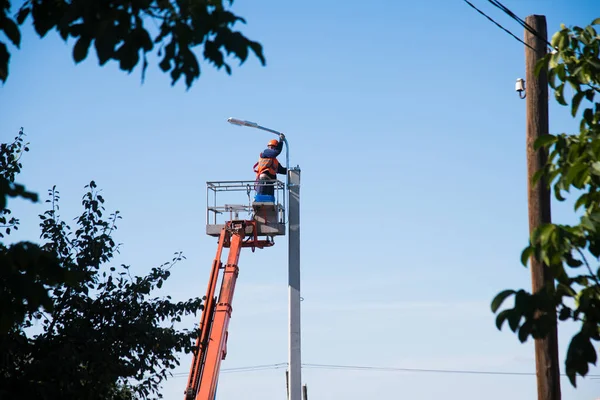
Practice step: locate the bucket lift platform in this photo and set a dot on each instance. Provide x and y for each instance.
(223, 204)
(265, 219)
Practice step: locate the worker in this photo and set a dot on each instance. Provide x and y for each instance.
(268, 167)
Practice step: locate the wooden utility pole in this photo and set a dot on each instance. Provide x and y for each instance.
(546, 349)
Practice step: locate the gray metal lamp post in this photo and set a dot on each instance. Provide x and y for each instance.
(294, 339)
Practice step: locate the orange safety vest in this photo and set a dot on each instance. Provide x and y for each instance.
(266, 165)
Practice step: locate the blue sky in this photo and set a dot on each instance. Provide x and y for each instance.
(404, 120)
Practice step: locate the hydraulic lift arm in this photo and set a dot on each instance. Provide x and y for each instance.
(212, 342)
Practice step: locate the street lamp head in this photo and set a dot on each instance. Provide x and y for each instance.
(239, 122)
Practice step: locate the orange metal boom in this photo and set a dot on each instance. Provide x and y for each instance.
(212, 341)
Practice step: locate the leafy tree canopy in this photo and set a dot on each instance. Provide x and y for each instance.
(74, 324)
(118, 31)
(572, 252)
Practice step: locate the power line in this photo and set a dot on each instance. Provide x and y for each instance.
(394, 369)
(265, 367)
(255, 368)
(497, 24)
(522, 22)
(251, 368)
(443, 371)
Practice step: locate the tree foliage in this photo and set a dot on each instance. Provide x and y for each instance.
(10, 165)
(571, 252)
(118, 31)
(74, 325)
(25, 268)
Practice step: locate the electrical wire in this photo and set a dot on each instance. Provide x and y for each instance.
(266, 367)
(443, 371)
(497, 24)
(522, 22)
(251, 368)
(394, 369)
(255, 368)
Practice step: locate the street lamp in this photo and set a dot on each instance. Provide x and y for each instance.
(240, 122)
(293, 220)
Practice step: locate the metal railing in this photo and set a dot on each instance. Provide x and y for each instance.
(225, 200)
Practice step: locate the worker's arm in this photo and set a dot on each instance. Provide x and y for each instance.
(277, 150)
(274, 153)
(281, 169)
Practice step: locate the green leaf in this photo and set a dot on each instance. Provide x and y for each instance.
(573, 262)
(514, 319)
(22, 15)
(594, 62)
(544, 141)
(579, 354)
(591, 31)
(537, 176)
(596, 22)
(552, 78)
(594, 249)
(80, 50)
(128, 55)
(588, 116)
(564, 314)
(595, 217)
(596, 168)
(574, 172)
(525, 331)
(526, 255)
(499, 299)
(501, 318)
(143, 37)
(589, 94)
(542, 63)
(576, 101)
(582, 200)
(553, 62)
(543, 232)
(11, 30)
(588, 224)
(554, 38)
(561, 72)
(559, 96)
(574, 83)
(4, 59)
(563, 39)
